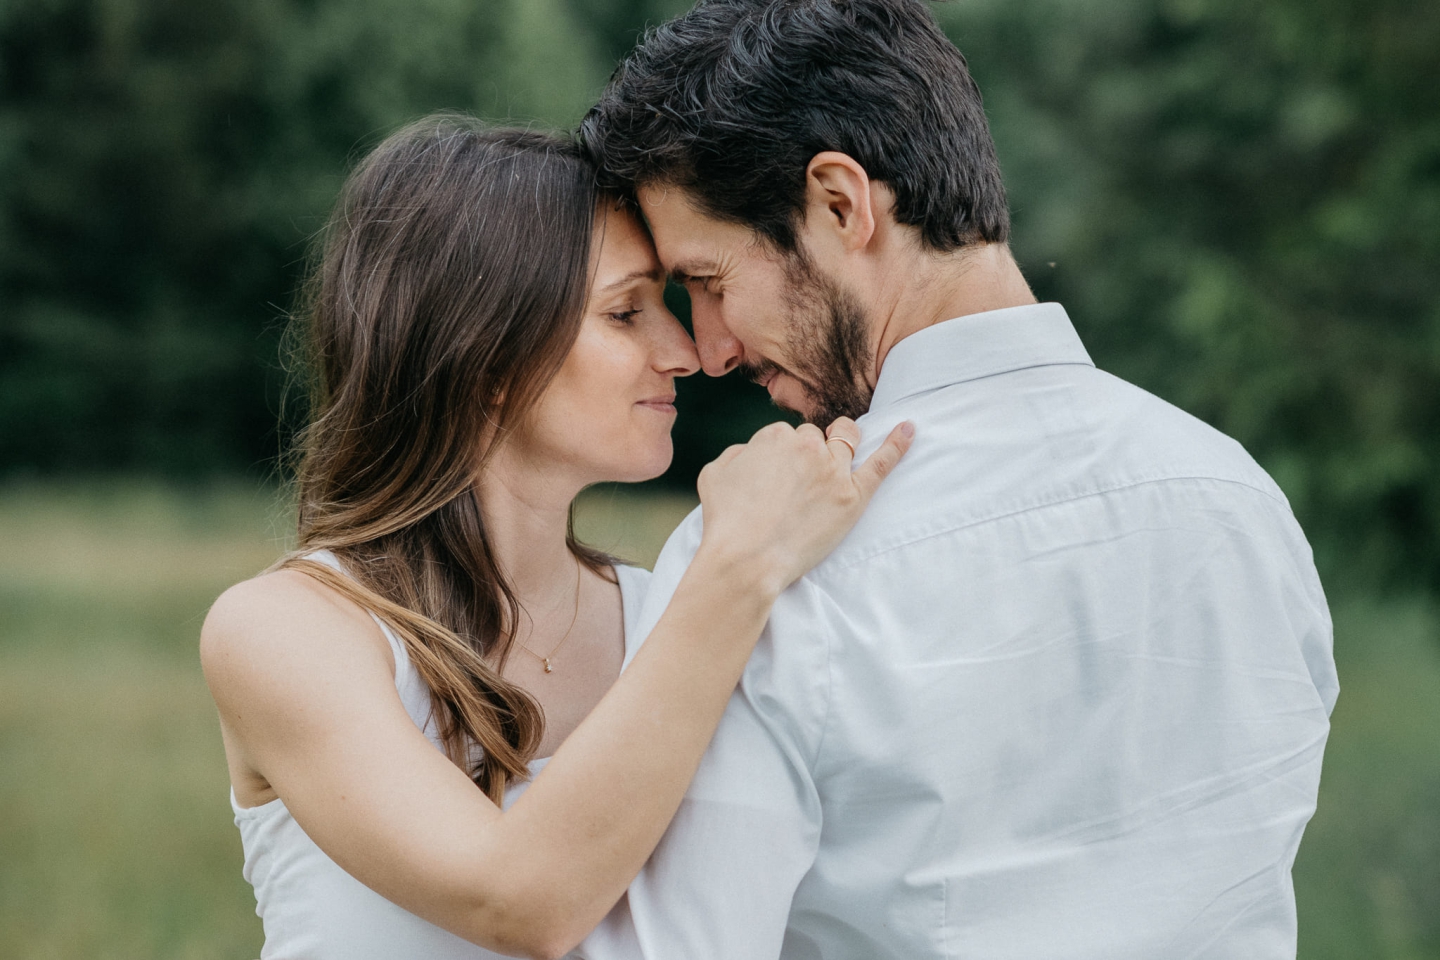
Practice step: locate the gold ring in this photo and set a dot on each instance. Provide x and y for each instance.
(844, 441)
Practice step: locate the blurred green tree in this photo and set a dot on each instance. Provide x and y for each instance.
(1241, 203)
(162, 165)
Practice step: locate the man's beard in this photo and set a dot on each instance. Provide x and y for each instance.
(828, 345)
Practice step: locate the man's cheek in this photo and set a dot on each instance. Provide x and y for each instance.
(789, 394)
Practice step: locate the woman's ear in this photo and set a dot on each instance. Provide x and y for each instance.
(839, 201)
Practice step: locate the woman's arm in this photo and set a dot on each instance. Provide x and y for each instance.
(317, 714)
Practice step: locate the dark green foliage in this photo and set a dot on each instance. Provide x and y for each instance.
(162, 167)
(1241, 202)
(617, 24)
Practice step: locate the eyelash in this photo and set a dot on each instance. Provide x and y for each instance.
(624, 316)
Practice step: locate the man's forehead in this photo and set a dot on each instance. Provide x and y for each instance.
(678, 229)
(667, 195)
(690, 241)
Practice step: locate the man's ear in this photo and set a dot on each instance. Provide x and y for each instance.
(839, 200)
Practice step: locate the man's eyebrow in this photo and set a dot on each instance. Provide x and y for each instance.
(691, 268)
(656, 275)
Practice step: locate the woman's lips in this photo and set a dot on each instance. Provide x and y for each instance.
(664, 404)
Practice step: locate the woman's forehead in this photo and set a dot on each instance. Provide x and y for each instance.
(624, 243)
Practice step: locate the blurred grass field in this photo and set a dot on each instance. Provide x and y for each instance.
(115, 833)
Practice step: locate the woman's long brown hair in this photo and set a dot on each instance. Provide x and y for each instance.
(450, 285)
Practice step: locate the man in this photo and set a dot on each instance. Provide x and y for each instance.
(1064, 691)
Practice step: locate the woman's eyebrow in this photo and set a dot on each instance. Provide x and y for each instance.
(655, 274)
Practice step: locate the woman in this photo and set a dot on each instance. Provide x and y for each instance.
(488, 337)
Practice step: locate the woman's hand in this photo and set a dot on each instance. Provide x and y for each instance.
(776, 506)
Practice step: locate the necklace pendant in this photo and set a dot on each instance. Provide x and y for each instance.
(546, 661)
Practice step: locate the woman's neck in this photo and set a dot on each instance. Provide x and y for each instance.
(527, 515)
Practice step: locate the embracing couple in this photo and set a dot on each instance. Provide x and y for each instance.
(997, 656)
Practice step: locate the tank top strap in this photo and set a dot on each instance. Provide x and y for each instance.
(414, 693)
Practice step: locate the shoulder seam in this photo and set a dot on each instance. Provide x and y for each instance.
(826, 567)
(829, 689)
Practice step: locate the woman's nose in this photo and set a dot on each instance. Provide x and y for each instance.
(676, 356)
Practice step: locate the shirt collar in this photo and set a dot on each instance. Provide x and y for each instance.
(978, 345)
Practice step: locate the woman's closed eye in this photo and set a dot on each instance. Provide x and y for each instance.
(626, 317)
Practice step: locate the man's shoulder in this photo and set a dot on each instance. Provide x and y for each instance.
(1044, 439)
(1155, 437)
(683, 542)
(670, 566)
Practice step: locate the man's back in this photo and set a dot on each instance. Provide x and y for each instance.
(1062, 693)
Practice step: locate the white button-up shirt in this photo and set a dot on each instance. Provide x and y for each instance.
(1062, 693)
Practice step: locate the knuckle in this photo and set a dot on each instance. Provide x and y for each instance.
(777, 429)
(812, 441)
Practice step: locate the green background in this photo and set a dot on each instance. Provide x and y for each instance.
(1238, 202)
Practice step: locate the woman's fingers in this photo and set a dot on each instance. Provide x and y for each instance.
(730, 453)
(875, 469)
(841, 438)
(786, 498)
(810, 433)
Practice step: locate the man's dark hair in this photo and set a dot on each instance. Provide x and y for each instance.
(733, 99)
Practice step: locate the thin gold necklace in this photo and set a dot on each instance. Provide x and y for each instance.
(545, 660)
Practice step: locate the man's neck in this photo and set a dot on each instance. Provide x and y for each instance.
(935, 289)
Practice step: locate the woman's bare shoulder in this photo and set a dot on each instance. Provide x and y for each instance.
(280, 618)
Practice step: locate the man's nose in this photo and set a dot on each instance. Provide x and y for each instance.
(720, 351)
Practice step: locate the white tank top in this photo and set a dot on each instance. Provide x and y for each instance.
(311, 909)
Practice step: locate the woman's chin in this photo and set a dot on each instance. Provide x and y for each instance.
(646, 467)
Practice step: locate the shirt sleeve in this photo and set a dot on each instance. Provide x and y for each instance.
(722, 879)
